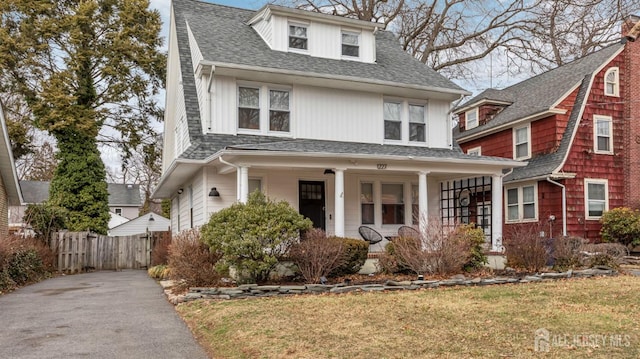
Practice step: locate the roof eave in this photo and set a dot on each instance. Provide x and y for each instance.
(481, 102)
(530, 118)
(270, 9)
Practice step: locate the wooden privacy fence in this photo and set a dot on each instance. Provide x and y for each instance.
(83, 251)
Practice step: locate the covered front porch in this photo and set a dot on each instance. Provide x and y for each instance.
(340, 193)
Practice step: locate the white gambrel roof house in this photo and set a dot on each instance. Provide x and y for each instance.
(325, 112)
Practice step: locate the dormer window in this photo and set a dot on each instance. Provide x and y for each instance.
(611, 82)
(298, 37)
(350, 44)
(471, 119)
(416, 123)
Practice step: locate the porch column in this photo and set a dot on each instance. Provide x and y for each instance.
(496, 213)
(244, 183)
(339, 202)
(423, 211)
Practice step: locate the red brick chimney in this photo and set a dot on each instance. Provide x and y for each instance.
(631, 82)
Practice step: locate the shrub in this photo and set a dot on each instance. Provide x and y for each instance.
(437, 250)
(161, 271)
(525, 248)
(604, 254)
(621, 225)
(45, 219)
(160, 251)
(23, 261)
(566, 252)
(191, 260)
(355, 254)
(252, 236)
(316, 255)
(474, 237)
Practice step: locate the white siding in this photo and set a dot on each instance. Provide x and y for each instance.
(265, 30)
(368, 47)
(198, 199)
(223, 102)
(172, 98)
(438, 129)
(226, 185)
(331, 114)
(196, 55)
(141, 224)
(326, 40)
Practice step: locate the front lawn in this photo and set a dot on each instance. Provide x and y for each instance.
(591, 318)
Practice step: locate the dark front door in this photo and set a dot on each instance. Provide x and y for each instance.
(312, 203)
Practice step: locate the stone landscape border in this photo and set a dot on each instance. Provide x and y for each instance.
(260, 291)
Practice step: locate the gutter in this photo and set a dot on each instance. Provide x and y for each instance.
(238, 179)
(564, 204)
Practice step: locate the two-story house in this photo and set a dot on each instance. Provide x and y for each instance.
(577, 127)
(325, 112)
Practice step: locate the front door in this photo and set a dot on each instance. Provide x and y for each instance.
(312, 203)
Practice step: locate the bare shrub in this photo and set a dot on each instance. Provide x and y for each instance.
(438, 250)
(566, 252)
(191, 261)
(317, 255)
(604, 254)
(160, 252)
(525, 248)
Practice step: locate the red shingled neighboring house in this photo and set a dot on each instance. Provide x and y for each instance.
(577, 126)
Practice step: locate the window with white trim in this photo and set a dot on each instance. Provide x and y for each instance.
(522, 203)
(249, 108)
(602, 136)
(279, 110)
(475, 151)
(255, 184)
(118, 211)
(522, 142)
(392, 121)
(417, 131)
(392, 203)
(366, 203)
(350, 44)
(612, 82)
(298, 37)
(471, 119)
(596, 194)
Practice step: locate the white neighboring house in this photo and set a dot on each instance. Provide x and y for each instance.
(150, 222)
(124, 201)
(325, 112)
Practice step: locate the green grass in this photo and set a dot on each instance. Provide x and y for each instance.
(461, 322)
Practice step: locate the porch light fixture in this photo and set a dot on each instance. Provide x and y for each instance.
(151, 219)
(214, 192)
(329, 171)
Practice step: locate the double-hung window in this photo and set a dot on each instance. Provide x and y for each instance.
(279, 110)
(417, 123)
(603, 140)
(392, 121)
(471, 119)
(521, 203)
(298, 37)
(350, 46)
(366, 203)
(392, 203)
(475, 151)
(249, 108)
(255, 184)
(596, 197)
(612, 82)
(522, 142)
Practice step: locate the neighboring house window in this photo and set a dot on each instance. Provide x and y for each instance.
(392, 121)
(603, 140)
(522, 203)
(392, 203)
(611, 82)
(350, 45)
(118, 211)
(596, 194)
(475, 151)
(255, 184)
(417, 123)
(249, 108)
(279, 110)
(521, 142)
(298, 37)
(471, 119)
(366, 203)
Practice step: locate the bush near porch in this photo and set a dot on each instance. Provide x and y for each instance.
(23, 261)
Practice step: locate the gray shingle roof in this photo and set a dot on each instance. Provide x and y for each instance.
(119, 194)
(214, 143)
(223, 36)
(539, 93)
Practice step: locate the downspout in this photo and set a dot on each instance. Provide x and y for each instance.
(207, 102)
(564, 204)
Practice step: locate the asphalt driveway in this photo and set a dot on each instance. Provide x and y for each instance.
(93, 315)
